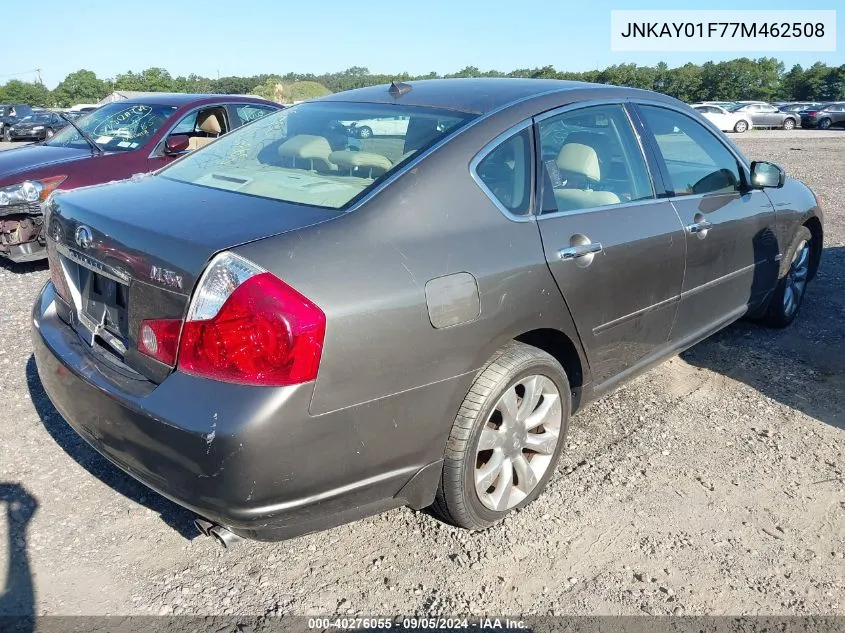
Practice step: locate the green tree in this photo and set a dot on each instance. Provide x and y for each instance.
(81, 86)
(34, 94)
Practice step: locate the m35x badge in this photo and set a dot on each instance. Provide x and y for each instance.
(166, 277)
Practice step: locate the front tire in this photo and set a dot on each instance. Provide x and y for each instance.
(7, 136)
(364, 132)
(792, 286)
(740, 127)
(48, 134)
(789, 124)
(506, 439)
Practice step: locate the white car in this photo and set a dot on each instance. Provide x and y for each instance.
(387, 126)
(724, 120)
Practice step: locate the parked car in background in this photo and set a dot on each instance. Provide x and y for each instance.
(36, 127)
(724, 119)
(824, 116)
(798, 106)
(11, 114)
(284, 337)
(383, 126)
(721, 104)
(767, 115)
(111, 143)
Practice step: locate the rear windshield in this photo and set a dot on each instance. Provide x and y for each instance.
(324, 154)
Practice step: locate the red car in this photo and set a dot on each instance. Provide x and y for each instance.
(111, 143)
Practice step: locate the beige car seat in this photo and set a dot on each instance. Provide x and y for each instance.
(308, 150)
(210, 124)
(580, 165)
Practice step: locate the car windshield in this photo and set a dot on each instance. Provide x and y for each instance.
(116, 127)
(734, 106)
(324, 154)
(36, 118)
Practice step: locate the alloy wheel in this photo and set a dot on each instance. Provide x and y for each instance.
(796, 279)
(518, 442)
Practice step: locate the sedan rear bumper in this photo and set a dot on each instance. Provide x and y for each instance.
(248, 458)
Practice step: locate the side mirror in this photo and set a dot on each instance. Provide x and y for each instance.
(176, 143)
(765, 174)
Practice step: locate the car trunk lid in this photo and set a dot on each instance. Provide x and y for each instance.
(134, 250)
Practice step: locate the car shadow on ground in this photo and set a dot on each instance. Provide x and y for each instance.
(801, 366)
(24, 267)
(17, 592)
(172, 514)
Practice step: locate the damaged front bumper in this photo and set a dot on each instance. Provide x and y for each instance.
(22, 233)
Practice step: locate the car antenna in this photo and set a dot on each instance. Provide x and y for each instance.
(399, 89)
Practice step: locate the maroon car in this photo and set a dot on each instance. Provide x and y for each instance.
(113, 142)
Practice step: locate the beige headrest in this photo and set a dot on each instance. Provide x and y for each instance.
(306, 146)
(209, 123)
(346, 159)
(580, 159)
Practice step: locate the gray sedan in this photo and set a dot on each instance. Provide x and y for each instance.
(296, 327)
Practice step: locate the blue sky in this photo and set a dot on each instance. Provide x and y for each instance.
(265, 36)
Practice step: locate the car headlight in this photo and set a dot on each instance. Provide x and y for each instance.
(38, 128)
(29, 191)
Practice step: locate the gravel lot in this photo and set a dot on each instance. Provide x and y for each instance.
(711, 485)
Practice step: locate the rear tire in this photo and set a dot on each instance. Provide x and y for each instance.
(740, 127)
(789, 124)
(521, 386)
(364, 132)
(824, 124)
(792, 286)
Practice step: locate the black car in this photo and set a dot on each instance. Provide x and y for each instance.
(11, 114)
(798, 106)
(825, 116)
(35, 127)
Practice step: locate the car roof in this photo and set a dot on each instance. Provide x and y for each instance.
(473, 95)
(180, 98)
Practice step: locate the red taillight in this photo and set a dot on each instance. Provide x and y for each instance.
(812, 112)
(265, 333)
(159, 339)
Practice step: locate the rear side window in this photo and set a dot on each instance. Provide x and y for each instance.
(696, 160)
(591, 158)
(505, 173)
(246, 112)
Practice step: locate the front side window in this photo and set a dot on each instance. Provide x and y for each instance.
(506, 173)
(696, 160)
(591, 158)
(116, 127)
(312, 153)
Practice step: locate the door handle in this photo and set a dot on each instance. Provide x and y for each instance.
(574, 252)
(700, 227)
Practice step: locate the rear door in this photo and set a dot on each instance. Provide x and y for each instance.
(731, 246)
(616, 250)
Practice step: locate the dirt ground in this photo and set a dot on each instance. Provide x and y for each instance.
(711, 485)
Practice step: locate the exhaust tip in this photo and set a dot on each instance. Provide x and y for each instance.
(203, 526)
(224, 536)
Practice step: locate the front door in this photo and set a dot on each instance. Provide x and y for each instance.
(615, 250)
(731, 247)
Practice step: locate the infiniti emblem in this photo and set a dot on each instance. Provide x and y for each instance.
(83, 236)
